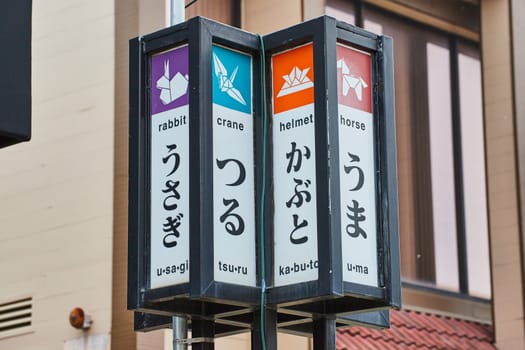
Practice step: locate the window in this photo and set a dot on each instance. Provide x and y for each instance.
(441, 149)
(475, 196)
(441, 167)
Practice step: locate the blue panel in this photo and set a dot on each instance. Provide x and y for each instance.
(232, 79)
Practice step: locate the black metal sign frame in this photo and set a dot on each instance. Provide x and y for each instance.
(329, 294)
(295, 308)
(202, 295)
(291, 323)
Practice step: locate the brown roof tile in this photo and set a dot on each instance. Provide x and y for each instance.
(415, 330)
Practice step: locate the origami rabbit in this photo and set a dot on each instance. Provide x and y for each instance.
(170, 90)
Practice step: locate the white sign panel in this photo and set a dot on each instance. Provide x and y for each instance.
(295, 217)
(357, 170)
(233, 168)
(169, 171)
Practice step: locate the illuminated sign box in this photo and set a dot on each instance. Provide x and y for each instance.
(333, 235)
(196, 171)
(194, 112)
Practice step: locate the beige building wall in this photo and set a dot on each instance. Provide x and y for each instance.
(503, 189)
(126, 27)
(518, 48)
(133, 18)
(264, 17)
(56, 191)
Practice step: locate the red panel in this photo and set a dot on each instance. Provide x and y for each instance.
(354, 78)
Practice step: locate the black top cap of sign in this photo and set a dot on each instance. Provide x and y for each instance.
(15, 69)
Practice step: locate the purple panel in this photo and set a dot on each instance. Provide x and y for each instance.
(169, 80)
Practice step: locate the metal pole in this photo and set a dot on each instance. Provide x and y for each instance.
(177, 12)
(203, 334)
(180, 324)
(180, 333)
(324, 332)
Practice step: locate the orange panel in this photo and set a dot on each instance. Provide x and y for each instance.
(293, 78)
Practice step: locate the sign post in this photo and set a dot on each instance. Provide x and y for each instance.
(196, 170)
(294, 153)
(233, 171)
(192, 202)
(169, 156)
(357, 178)
(335, 231)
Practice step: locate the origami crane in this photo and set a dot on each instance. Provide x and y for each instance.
(170, 90)
(295, 81)
(351, 81)
(225, 83)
